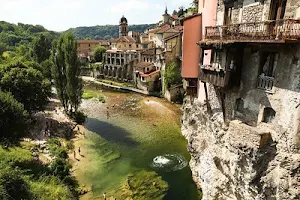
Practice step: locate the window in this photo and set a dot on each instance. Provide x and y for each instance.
(89, 49)
(130, 46)
(216, 59)
(268, 62)
(144, 59)
(143, 79)
(89, 45)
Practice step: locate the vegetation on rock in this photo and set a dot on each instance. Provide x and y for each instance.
(172, 75)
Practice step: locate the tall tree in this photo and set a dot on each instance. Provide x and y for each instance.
(41, 48)
(66, 72)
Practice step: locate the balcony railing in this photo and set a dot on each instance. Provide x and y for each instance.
(265, 83)
(279, 30)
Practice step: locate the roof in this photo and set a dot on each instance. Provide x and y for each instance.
(149, 73)
(160, 28)
(123, 19)
(174, 16)
(141, 66)
(179, 28)
(172, 36)
(128, 39)
(167, 30)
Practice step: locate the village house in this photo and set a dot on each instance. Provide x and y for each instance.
(85, 48)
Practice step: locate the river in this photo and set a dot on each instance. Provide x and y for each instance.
(140, 134)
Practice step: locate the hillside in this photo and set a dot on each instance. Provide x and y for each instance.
(13, 35)
(105, 32)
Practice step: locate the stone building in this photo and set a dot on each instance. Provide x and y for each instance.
(123, 27)
(119, 65)
(147, 76)
(243, 129)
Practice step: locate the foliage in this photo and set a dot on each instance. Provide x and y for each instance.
(13, 184)
(26, 84)
(172, 75)
(41, 48)
(88, 94)
(66, 71)
(78, 117)
(56, 149)
(60, 168)
(105, 32)
(18, 181)
(46, 67)
(12, 35)
(13, 117)
(98, 53)
(143, 185)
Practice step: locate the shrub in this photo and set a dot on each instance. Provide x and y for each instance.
(13, 117)
(60, 168)
(79, 117)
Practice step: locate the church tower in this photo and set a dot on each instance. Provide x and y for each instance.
(123, 27)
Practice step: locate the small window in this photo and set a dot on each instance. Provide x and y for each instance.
(130, 46)
(89, 45)
(89, 49)
(268, 62)
(137, 46)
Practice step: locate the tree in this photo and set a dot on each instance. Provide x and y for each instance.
(66, 72)
(41, 48)
(26, 84)
(13, 117)
(172, 75)
(98, 53)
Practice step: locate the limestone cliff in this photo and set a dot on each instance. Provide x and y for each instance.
(238, 161)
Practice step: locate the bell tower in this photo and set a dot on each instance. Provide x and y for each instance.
(123, 27)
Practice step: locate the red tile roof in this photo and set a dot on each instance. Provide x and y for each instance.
(172, 36)
(160, 28)
(179, 28)
(128, 39)
(148, 52)
(141, 66)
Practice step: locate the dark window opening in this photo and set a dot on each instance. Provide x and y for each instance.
(239, 105)
(268, 62)
(269, 115)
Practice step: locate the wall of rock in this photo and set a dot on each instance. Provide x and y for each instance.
(246, 158)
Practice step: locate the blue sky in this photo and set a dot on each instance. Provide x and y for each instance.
(59, 15)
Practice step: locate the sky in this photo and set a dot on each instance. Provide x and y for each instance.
(60, 15)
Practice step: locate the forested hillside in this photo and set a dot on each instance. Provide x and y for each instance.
(12, 35)
(105, 32)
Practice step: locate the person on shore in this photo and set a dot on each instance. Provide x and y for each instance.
(79, 150)
(104, 196)
(107, 113)
(75, 154)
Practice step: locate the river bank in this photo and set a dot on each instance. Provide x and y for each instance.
(141, 137)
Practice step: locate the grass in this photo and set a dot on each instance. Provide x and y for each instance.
(117, 83)
(89, 94)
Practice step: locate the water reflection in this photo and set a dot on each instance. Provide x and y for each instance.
(110, 132)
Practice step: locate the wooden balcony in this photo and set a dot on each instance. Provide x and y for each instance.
(278, 31)
(219, 78)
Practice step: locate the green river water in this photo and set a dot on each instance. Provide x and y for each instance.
(138, 130)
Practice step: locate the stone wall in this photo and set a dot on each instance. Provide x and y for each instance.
(252, 13)
(246, 158)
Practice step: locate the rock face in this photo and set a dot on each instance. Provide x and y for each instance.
(238, 161)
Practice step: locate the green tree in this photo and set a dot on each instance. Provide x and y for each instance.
(66, 72)
(26, 84)
(41, 48)
(172, 75)
(13, 117)
(98, 53)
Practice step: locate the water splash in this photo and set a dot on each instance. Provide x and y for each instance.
(169, 162)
